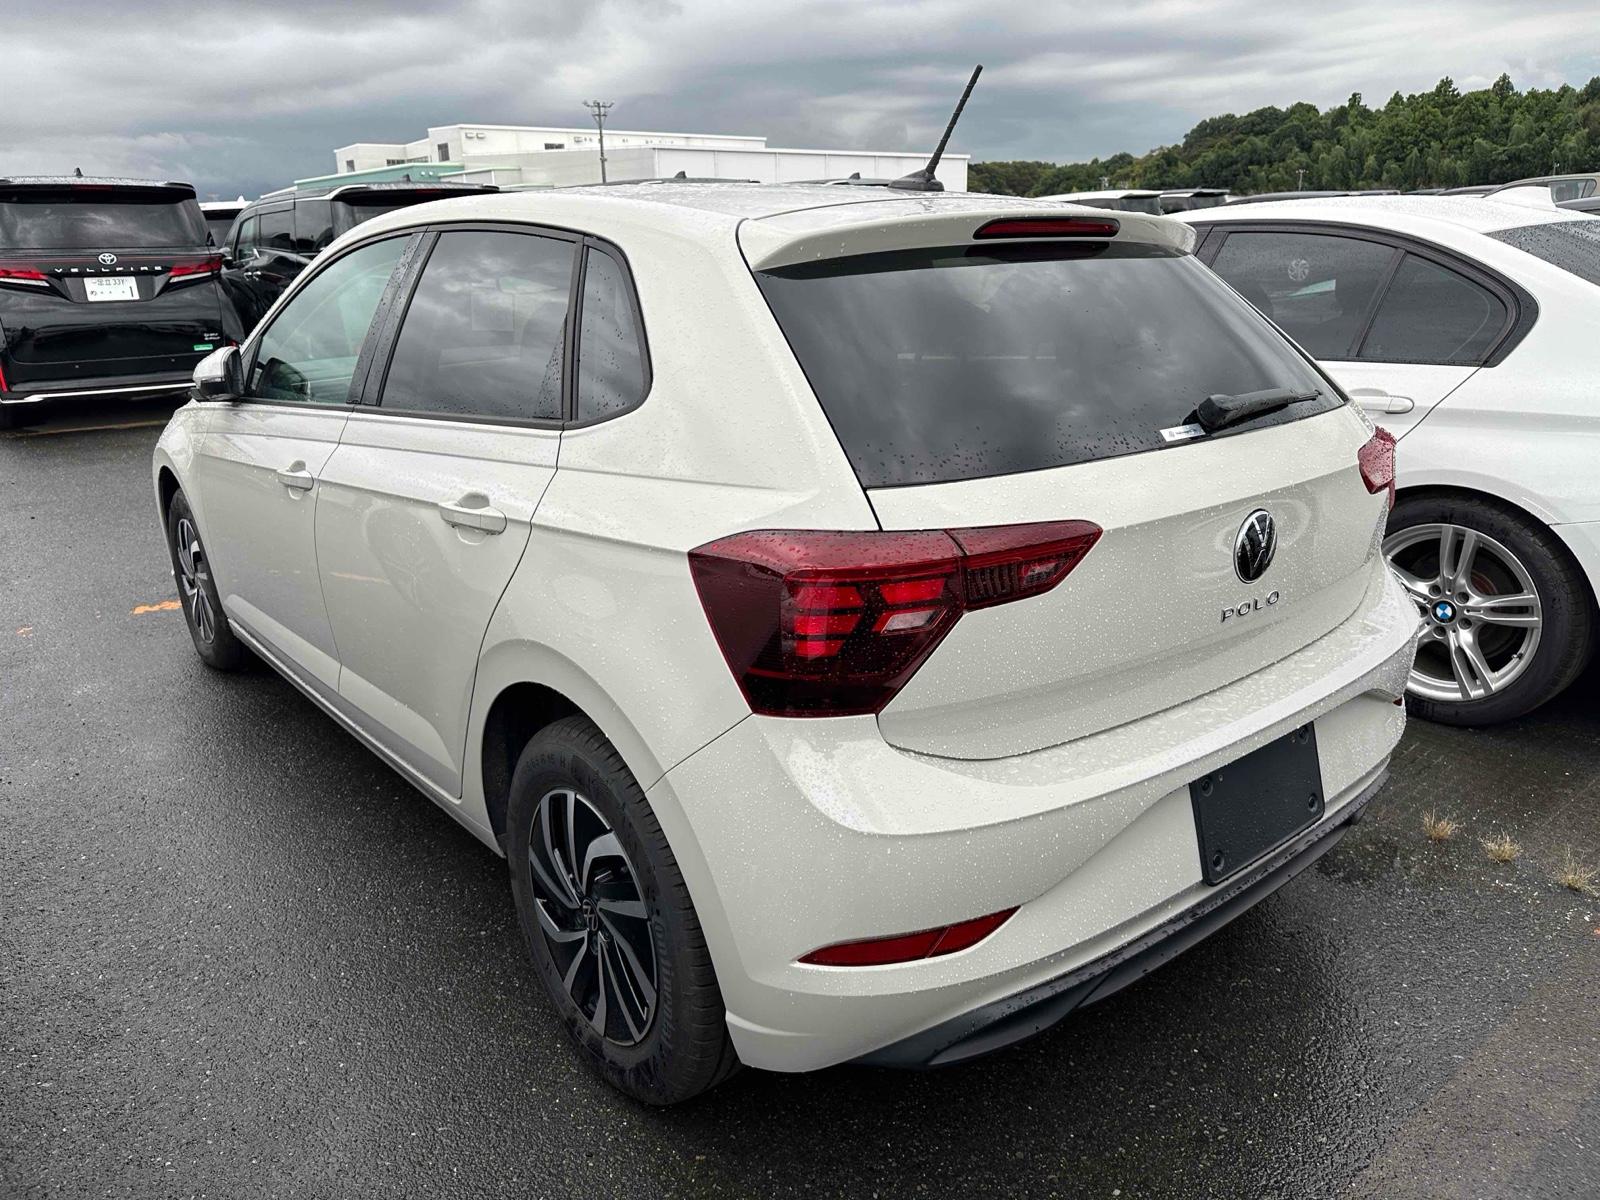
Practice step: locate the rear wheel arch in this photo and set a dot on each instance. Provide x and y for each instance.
(166, 488)
(515, 717)
(1445, 491)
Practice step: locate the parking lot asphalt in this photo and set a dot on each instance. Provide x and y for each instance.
(239, 957)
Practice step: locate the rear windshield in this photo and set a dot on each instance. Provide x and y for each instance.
(970, 361)
(1573, 246)
(81, 219)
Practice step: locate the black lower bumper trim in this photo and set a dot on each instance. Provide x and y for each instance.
(1006, 1022)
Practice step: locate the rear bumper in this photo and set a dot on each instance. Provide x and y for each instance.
(1003, 1023)
(795, 834)
(168, 382)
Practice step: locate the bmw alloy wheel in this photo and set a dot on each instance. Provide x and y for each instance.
(192, 576)
(1481, 612)
(593, 917)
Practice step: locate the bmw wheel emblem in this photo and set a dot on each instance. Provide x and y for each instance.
(1444, 612)
(1255, 545)
(108, 259)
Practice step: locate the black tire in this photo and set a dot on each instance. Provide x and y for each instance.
(1566, 638)
(214, 641)
(8, 416)
(684, 1048)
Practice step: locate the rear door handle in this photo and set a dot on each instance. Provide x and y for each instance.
(296, 476)
(1374, 400)
(473, 512)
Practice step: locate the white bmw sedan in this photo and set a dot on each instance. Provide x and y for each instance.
(871, 626)
(1470, 329)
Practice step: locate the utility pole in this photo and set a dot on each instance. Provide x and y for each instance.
(1300, 179)
(598, 109)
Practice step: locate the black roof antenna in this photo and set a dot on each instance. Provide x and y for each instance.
(923, 180)
(77, 172)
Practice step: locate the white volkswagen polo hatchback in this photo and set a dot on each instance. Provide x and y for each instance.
(871, 626)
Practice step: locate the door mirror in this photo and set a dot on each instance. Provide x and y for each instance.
(219, 375)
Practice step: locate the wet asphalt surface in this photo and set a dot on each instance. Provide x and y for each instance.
(239, 957)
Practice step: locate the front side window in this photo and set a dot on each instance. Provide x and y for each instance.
(611, 374)
(963, 362)
(484, 333)
(309, 352)
(1430, 314)
(244, 244)
(1317, 287)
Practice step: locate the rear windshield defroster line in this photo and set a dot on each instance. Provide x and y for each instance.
(964, 362)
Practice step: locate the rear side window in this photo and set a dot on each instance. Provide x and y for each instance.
(1432, 315)
(309, 352)
(97, 218)
(313, 226)
(277, 230)
(484, 333)
(1317, 287)
(1574, 246)
(972, 361)
(611, 371)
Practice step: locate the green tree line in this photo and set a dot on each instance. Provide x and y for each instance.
(1439, 138)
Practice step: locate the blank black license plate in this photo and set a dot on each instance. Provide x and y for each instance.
(1257, 802)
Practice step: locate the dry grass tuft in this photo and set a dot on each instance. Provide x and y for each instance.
(1577, 876)
(1438, 829)
(1502, 849)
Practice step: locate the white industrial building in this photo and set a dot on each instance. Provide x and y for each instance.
(554, 156)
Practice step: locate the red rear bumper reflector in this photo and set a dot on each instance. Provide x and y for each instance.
(818, 623)
(908, 947)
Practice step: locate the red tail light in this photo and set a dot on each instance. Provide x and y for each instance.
(1376, 460)
(1047, 227)
(815, 623)
(204, 267)
(908, 947)
(18, 274)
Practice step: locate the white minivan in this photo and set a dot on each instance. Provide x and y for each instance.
(871, 625)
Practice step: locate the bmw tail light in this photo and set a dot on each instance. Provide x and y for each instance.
(1376, 460)
(816, 623)
(909, 947)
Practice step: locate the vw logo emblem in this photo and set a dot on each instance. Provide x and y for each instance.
(1254, 547)
(1444, 612)
(108, 259)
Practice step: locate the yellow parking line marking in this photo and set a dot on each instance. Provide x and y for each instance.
(158, 606)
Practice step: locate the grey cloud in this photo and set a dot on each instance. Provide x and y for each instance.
(255, 94)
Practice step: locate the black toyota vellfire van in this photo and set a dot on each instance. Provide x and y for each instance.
(107, 288)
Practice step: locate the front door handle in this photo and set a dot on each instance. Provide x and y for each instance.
(297, 477)
(472, 511)
(1377, 401)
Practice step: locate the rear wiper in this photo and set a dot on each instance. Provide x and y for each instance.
(1220, 411)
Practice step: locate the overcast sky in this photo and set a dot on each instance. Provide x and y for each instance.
(249, 95)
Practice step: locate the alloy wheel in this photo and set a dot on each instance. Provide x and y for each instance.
(592, 916)
(1481, 613)
(193, 574)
